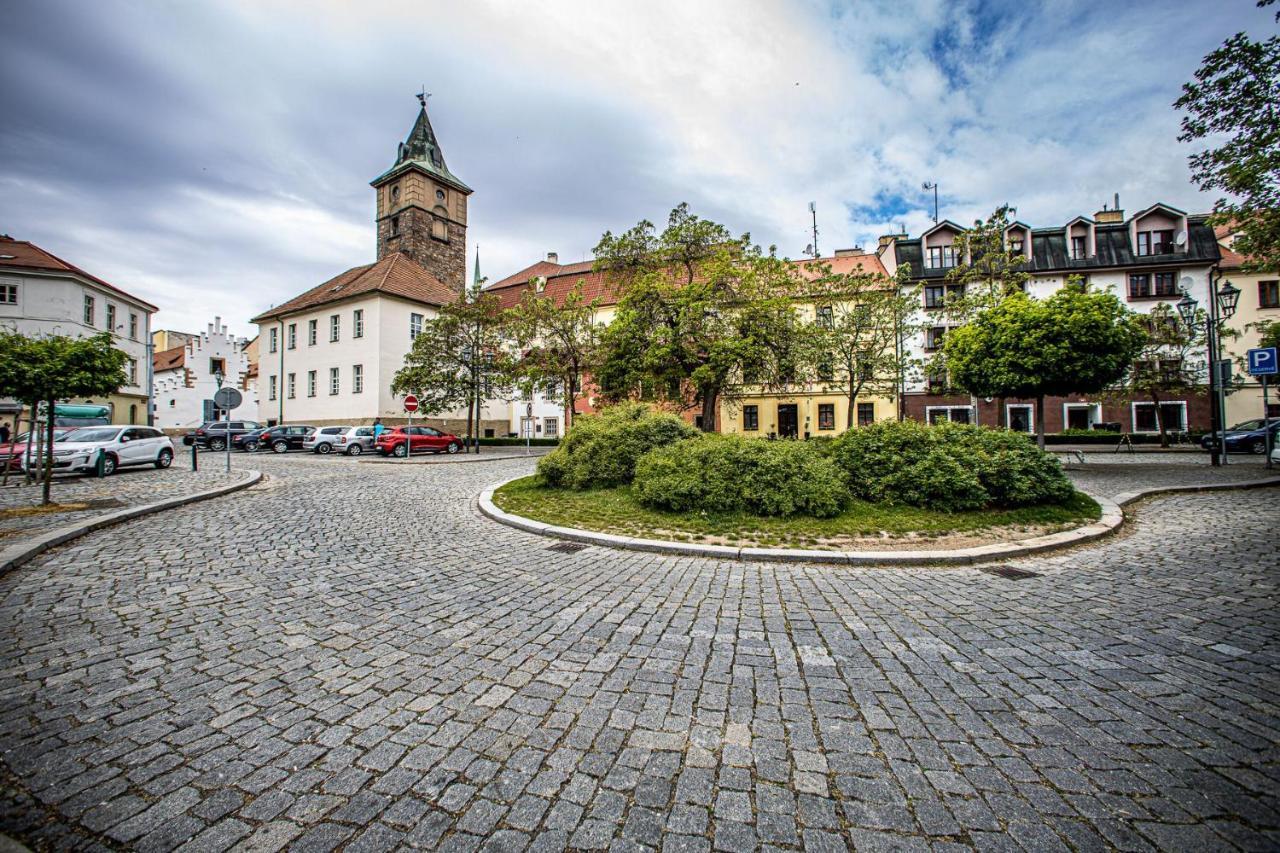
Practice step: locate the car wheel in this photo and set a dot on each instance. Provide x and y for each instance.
(399, 450)
(109, 465)
(453, 447)
(1259, 446)
(355, 450)
(280, 447)
(324, 448)
(251, 447)
(217, 444)
(165, 459)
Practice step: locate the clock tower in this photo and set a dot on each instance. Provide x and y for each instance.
(422, 206)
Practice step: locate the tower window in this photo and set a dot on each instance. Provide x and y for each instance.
(395, 193)
(438, 229)
(395, 226)
(439, 195)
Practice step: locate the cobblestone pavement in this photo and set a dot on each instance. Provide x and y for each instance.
(143, 484)
(362, 662)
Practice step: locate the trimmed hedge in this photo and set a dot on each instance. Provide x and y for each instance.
(729, 473)
(948, 467)
(602, 450)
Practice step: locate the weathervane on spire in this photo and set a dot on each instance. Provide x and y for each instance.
(422, 97)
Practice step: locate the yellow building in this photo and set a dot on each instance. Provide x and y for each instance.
(1259, 302)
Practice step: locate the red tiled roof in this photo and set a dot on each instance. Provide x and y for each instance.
(27, 255)
(559, 284)
(169, 359)
(395, 275)
(1231, 259)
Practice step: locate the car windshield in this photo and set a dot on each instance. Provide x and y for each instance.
(91, 434)
(1245, 426)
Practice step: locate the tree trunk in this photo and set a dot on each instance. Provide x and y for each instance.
(853, 403)
(47, 459)
(709, 400)
(1040, 421)
(471, 405)
(13, 438)
(1164, 436)
(1001, 420)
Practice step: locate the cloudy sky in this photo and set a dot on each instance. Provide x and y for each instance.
(214, 157)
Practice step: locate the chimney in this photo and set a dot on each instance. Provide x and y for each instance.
(1112, 215)
(850, 253)
(553, 258)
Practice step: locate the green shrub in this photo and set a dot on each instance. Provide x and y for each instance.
(948, 467)
(729, 473)
(601, 450)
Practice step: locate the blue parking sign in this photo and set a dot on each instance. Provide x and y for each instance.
(1263, 362)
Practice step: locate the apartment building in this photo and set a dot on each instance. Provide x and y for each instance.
(1259, 302)
(42, 294)
(1147, 259)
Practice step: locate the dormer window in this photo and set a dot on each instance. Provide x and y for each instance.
(1155, 242)
(942, 256)
(1079, 248)
(1015, 245)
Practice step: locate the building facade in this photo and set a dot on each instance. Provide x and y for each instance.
(329, 355)
(1259, 303)
(186, 378)
(1147, 259)
(41, 294)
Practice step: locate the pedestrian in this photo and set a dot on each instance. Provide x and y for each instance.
(5, 434)
(378, 429)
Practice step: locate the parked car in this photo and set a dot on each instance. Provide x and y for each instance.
(1245, 437)
(282, 439)
(213, 434)
(14, 451)
(394, 442)
(355, 441)
(247, 441)
(324, 439)
(122, 446)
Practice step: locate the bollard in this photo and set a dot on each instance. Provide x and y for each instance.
(195, 457)
(100, 464)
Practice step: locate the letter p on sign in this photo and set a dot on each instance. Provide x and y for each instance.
(1263, 362)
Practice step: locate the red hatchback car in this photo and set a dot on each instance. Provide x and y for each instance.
(393, 441)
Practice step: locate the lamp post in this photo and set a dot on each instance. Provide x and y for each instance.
(226, 438)
(1222, 306)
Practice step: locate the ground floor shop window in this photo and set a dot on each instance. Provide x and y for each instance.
(1173, 415)
(952, 414)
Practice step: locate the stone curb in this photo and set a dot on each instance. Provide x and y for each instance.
(17, 555)
(445, 460)
(1111, 520)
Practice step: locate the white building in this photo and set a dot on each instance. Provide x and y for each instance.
(186, 381)
(41, 294)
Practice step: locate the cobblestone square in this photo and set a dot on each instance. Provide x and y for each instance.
(348, 656)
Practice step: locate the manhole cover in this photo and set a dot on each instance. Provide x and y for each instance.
(1010, 573)
(566, 547)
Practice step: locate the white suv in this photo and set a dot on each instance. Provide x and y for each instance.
(122, 445)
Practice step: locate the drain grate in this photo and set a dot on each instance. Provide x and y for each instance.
(566, 547)
(1010, 573)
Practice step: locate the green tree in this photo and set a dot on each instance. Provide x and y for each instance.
(45, 370)
(1234, 105)
(1076, 341)
(1171, 361)
(987, 271)
(558, 343)
(700, 316)
(460, 358)
(860, 322)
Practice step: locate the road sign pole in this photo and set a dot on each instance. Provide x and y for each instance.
(408, 438)
(1266, 418)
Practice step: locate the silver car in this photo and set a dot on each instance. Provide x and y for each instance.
(324, 439)
(355, 440)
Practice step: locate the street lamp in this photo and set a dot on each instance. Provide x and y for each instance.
(1228, 298)
(1222, 305)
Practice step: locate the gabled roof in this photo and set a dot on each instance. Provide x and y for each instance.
(422, 151)
(946, 223)
(1157, 206)
(1017, 223)
(547, 268)
(1085, 219)
(1231, 259)
(25, 255)
(170, 359)
(394, 275)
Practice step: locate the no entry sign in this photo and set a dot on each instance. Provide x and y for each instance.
(411, 403)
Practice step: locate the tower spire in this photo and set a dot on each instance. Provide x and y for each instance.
(475, 281)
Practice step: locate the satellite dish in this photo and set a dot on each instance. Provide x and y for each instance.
(1180, 238)
(1184, 284)
(925, 186)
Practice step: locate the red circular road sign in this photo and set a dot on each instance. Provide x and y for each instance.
(411, 403)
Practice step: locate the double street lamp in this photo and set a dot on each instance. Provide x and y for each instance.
(1221, 307)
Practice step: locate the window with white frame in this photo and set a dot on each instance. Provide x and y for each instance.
(133, 371)
(311, 332)
(415, 326)
(8, 294)
(550, 427)
(291, 386)
(357, 323)
(271, 339)
(88, 310)
(335, 324)
(333, 381)
(111, 318)
(271, 387)
(1020, 417)
(311, 383)
(357, 378)
(942, 256)
(1079, 247)
(133, 326)
(291, 342)
(945, 414)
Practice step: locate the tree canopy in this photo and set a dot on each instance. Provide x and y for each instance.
(1076, 341)
(558, 343)
(1233, 105)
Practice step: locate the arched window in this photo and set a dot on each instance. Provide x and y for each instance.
(439, 228)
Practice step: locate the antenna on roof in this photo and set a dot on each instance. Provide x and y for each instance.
(813, 247)
(423, 95)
